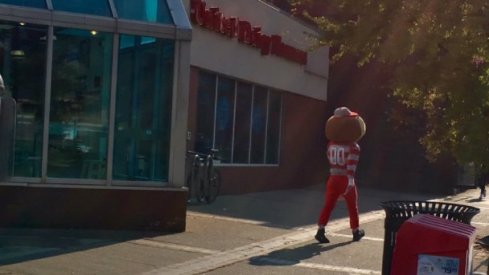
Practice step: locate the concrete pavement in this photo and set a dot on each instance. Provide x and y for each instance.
(259, 233)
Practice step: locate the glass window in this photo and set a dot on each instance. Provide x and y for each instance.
(143, 109)
(243, 119)
(224, 118)
(206, 98)
(23, 63)
(156, 11)
(26, 3)
(94, 7)
(258, 126)
(78, 128)
(273, 131)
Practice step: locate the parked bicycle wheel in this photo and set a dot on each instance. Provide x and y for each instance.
(203, 180)
(214, 186)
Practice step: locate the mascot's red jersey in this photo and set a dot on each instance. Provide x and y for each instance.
(343, 158)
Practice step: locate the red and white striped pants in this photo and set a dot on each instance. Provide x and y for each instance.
(336, 187)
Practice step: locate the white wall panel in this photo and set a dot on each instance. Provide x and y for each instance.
(218, 53)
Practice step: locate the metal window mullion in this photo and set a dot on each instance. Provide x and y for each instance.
(49, 4)
(266, 127)
(251, 121)
(234, 119)
(170, 6)
(172, 174)
(113, 9)
(178, 14)
(216, 90)
(112, 106)
(47, 103)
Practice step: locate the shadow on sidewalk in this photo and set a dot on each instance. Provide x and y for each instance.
(19, 244)
(293, 256)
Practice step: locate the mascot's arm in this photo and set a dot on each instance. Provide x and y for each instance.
(351, 164)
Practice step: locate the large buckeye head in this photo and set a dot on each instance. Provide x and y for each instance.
(345, 126)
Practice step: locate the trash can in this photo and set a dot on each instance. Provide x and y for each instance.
(397, 212)
(445, 247)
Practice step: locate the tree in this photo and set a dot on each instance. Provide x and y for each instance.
(438, 51)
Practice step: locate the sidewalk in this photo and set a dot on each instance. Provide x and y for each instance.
(259, 233)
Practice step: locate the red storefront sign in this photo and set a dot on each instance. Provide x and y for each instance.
(213, 19)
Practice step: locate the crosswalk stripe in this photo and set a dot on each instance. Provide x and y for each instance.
(350, 236)
(228, 257)
(325, 267)
(158, 244)
(222, 218)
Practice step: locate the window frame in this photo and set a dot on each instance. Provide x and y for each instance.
(108, 8)
(180, 35)
(46, 6)
(234, 126)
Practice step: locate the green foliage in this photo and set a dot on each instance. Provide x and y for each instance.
(440, 54)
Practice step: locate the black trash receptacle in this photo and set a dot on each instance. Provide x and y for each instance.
(396, 212)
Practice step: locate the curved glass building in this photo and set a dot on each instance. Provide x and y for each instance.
(95, 83)
(100, 88)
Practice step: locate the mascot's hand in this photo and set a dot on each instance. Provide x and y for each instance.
(351, 184)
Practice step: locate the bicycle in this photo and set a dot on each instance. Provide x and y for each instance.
(203, 179)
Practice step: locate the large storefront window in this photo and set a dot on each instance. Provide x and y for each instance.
(144, 10)
(143, 109)
(273, 124)
(258, 124)
(23, 63)
(206, 99)
(95, 7)
(78, 129)
(224, 118)
(92, 96)
(241, 120)
(27, 3)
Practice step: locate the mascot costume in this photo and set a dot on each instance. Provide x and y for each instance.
(343, 130)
